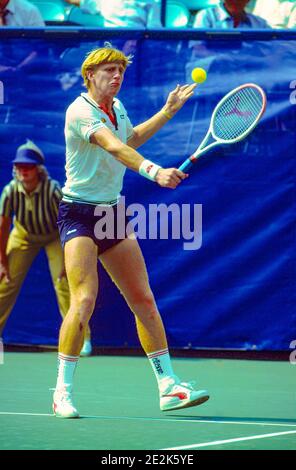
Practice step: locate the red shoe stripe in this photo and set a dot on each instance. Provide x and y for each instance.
(181, 395)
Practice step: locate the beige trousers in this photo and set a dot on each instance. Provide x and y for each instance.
(22, 249)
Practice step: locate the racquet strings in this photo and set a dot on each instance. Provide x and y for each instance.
(238, 113)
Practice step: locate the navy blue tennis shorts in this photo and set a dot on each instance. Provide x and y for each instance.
(106, 229)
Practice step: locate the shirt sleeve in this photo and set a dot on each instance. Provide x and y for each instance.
(87, 122)
(56, 195)
(6, 209)
(57, 191)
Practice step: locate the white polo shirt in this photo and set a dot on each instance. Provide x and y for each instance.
(93, 175)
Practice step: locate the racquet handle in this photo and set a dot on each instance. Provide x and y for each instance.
(186, 165)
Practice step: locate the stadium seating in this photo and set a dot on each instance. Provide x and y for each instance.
(178, 13)
(51, 11)
(75, 15)
(194, 5)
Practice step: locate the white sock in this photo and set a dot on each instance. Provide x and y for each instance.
(161, 364)
(66, 369)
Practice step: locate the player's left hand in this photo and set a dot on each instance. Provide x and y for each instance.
(178, 97)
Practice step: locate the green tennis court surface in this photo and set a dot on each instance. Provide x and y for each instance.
(252, 405)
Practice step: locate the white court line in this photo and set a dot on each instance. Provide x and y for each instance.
(24, 414)
(143, 418)
(227, 441)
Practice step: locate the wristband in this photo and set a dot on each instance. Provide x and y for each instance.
(166, 114)
(149, 169)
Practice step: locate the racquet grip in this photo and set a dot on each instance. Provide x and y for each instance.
(186, 165)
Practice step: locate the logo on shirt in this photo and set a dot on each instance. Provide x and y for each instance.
(93, 123)
(103, 120)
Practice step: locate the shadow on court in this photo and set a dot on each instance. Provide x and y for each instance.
(236, 419)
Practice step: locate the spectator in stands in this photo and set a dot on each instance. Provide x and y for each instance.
(124, 13)
(32, 197)
(19, 13)
(278, 13)
(229, 14)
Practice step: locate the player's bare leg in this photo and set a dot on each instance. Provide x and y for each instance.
(126, 266)
(81, 268)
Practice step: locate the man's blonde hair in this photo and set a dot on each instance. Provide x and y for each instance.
(103, 55)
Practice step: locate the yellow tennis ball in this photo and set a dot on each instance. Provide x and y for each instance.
(198, 75)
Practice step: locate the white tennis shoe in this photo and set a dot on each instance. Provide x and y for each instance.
(175, 395)
(63, 405)
(86, 348)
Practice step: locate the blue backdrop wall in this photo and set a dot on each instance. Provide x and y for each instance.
(238, 289)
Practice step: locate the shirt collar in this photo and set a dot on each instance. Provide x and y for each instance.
(21, 189)
(90, 99)
(224, 15)
(111, 116)
(10, 6)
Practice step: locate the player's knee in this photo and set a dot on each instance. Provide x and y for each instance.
(85, 305)
(144, 301)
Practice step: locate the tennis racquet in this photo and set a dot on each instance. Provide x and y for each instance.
(234, 117)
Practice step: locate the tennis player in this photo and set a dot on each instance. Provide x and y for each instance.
(100, 145)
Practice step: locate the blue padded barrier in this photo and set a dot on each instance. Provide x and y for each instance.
(238, 289)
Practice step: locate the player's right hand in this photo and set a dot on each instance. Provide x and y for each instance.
(4, 271)
(170, 177)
